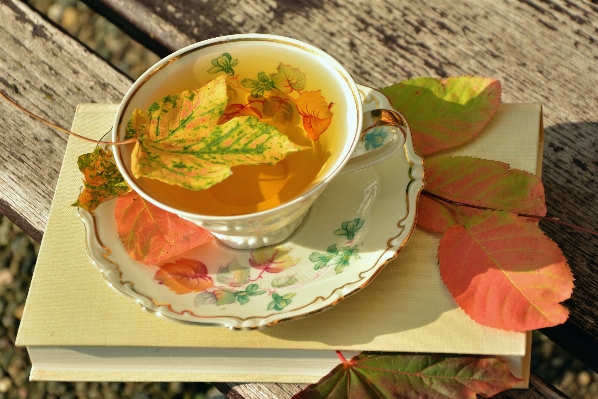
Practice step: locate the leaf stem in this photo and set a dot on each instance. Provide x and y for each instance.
(342, 357)
(547, 218)
(60, 128)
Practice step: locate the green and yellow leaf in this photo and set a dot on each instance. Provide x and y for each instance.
(180, 142)
(103, 181)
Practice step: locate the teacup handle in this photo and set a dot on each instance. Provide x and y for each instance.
(383, 132)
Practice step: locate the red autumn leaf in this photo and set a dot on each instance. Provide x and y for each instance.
(445, 113)
(151, 235)
(271, 259)
(480, 182)
(413, 376)
(234, 110)
(505, 273)
(184, 276)
(314, 109)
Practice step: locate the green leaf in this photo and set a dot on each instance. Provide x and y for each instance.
(180, 142)
(103, 181)
(413, 376)
(480, 182)
(243, 299)
(445, 113)
(287, 79)
(224, 297)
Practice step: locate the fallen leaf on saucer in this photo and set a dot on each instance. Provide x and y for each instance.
(480, 182)
(413, 376)
(102, 182)
(316, 114)
(271, 259)
(184, 276)
(152, 235)
(179, 141)
(445, 113)
(505, 273)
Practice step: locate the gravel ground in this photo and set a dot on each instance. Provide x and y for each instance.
(18, 254)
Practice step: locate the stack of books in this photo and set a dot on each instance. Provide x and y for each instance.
(76, 328)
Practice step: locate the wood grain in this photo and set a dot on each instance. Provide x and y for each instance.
(538, 389)
(541, 50)
(49, 73)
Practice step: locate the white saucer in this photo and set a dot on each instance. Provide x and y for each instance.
(359, 223)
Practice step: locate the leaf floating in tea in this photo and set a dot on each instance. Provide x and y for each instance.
(445, 113)
(103, 181)
(480, 182)
(413, 376)
(180, 142)
(184, 276)
(152, 235)
(316, 114)
(505, 273)
(287, 79)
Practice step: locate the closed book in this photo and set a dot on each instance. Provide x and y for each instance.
(76, 328)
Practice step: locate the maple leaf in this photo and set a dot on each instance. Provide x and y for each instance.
(444, 113)
(103, 181)
(152, 235)
(287, 79)
(413, 376)
(480, 182)
(179, 141)
(316, 114)
(271, 259)
(184, 276)
(505, 273)
(282, 109)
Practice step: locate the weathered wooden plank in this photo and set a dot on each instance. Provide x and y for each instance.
(541, 50)
(538, 389)
(49, 73)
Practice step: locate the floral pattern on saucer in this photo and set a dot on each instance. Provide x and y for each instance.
(357, 225)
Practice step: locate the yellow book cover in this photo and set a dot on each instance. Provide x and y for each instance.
(77, 328)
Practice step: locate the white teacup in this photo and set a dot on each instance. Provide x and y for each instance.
(193, 66)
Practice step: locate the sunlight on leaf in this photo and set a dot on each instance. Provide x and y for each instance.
(445, 113)
(505, 273)
(479, 182)
(152, 235)
(180, 142)
(103, 181)
(413, 376)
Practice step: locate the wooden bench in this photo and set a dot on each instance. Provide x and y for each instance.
(542, 51)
